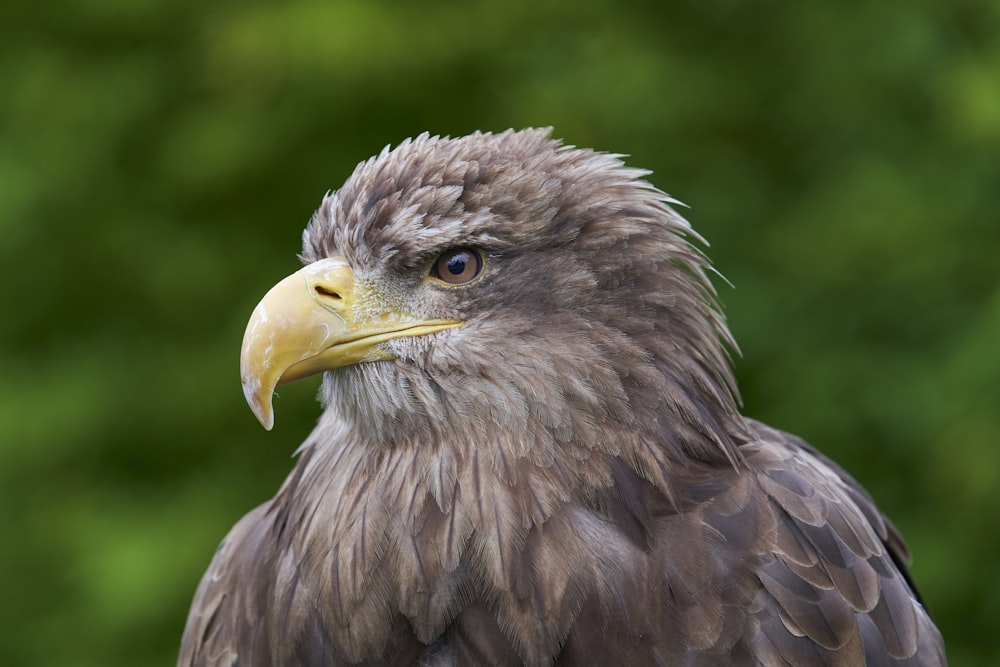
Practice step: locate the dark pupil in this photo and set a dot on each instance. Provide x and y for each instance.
(456, 265)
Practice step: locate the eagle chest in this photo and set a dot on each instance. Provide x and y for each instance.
(481, 569)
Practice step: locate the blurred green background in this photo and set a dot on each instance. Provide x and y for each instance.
(158, 160)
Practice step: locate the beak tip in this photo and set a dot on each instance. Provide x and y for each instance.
(259, 400)
(264, 415)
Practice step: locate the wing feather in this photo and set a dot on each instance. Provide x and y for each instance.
(834, 576)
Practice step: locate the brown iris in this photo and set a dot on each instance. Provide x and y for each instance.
(458, 266)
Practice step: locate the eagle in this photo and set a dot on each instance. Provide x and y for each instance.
(531, 449)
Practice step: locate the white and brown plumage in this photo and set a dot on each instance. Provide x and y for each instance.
(531, 450)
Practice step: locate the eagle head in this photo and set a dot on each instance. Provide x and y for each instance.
(500, 285)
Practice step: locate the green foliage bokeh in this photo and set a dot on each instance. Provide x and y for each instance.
(158, 160)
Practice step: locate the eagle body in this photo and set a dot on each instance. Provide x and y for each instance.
(531, 451)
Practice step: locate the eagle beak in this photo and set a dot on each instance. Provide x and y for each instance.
(313, 321)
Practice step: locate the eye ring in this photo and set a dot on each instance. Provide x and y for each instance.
(458, 266)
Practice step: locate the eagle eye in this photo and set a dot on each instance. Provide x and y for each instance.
(458, 266)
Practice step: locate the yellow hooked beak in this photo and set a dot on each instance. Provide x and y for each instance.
(313, 321)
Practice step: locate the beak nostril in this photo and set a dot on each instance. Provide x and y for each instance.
(324, 291)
